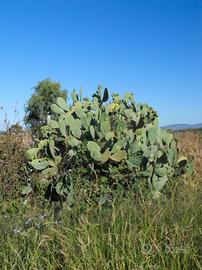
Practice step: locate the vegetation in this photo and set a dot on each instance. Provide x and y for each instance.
(38, 106)
(13, 174)
(136, 234)
(112, 146)
(190, 143)
(107, 162)
(16, 129)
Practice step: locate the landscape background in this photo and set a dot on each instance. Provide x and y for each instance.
(110, 219)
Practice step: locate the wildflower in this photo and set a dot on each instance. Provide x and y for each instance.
(37, 226)
(17, 231)
(57, 221)
(42, 216)
(25, 202)
(28, 221)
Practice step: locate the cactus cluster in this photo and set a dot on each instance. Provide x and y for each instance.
(101, 135)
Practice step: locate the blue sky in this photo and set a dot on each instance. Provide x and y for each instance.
(150, 47)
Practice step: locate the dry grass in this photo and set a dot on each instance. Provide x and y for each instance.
(24, 137)
(190, 143)
(12, 164)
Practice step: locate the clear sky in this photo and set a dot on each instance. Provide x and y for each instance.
(150, 47)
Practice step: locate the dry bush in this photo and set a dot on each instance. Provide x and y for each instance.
(12, 163)
(190, 143)
(27, 139)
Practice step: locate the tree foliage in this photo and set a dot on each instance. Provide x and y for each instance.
(38, 106)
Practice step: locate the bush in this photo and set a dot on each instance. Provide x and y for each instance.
(105, 147)
(13, 165)
(16, 129)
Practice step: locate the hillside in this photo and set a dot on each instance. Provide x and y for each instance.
(183, 126)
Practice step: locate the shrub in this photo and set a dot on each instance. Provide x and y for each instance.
(13, 166)
(108, 147)
(16, 129)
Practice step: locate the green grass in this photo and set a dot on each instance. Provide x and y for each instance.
(140, 234)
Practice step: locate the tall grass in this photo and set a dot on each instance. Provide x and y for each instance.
(140, 234)
(190, 143)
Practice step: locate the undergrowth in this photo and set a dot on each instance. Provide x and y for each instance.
(134, 234)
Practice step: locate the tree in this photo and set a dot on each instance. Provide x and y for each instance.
(39, 105)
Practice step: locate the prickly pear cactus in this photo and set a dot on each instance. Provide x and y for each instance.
(95, 136)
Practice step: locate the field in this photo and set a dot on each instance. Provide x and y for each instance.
(190, 143)
(138, 233)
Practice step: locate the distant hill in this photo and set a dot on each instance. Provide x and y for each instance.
(171, 127)
(182, 126)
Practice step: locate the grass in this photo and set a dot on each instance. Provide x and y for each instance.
(136, 234)
(190, 143)
(139, 234)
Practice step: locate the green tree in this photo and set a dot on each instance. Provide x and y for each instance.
(39, 105)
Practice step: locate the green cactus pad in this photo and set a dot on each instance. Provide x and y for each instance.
(56, 109)
(119, 155)
(62, 104)
(62, 125)
(31, 154)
